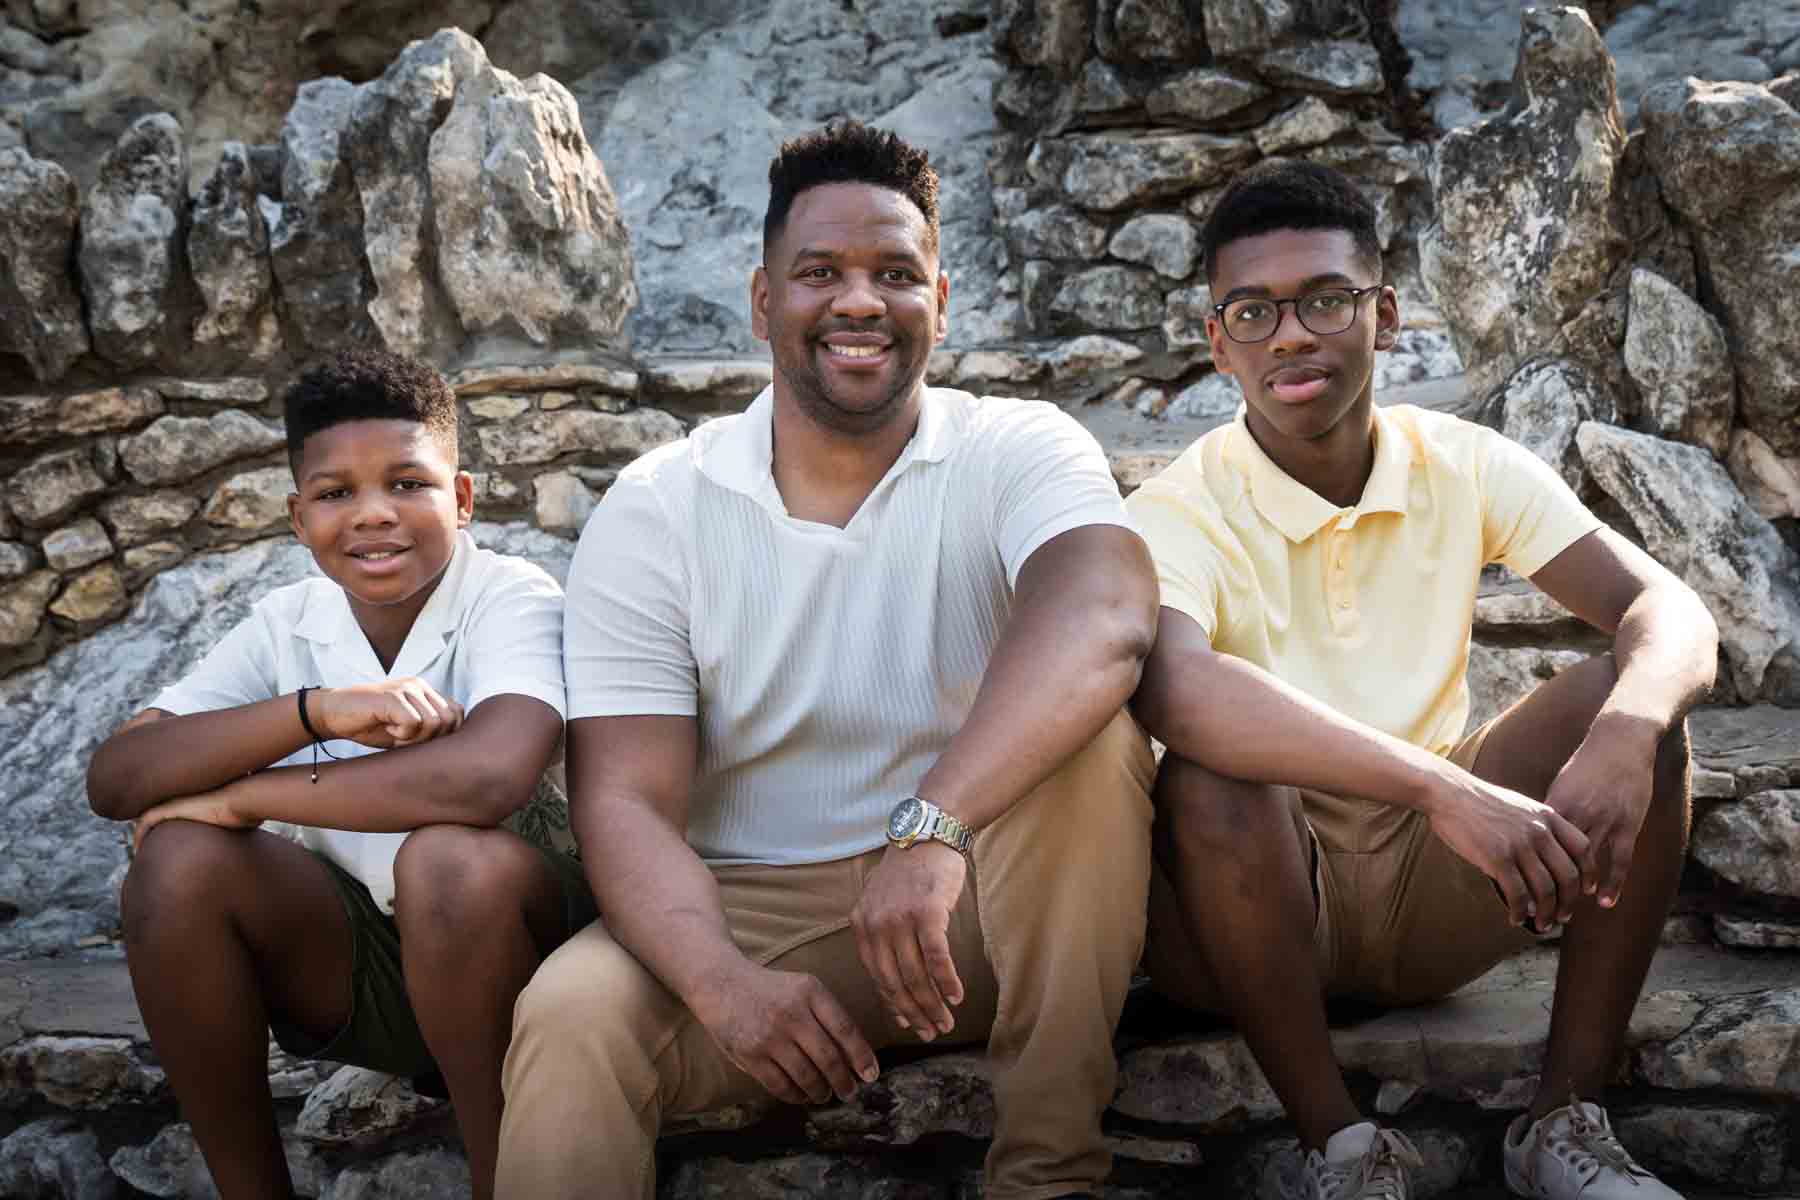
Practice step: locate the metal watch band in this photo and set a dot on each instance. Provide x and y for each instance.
(945, 828)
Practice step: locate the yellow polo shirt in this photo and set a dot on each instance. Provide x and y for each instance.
(1366, 608)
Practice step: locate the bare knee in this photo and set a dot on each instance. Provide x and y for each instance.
(447, 877)
(1202, 812)
(184, 869)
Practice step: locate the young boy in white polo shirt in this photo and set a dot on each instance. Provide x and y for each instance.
(365, 906)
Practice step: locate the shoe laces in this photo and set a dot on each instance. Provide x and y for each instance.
(1590, 1146)
(1380, 1174)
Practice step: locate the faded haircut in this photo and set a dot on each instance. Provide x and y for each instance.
(367, 385)
(847, 151)
(1303, 196)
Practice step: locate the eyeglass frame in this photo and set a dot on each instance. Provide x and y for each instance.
(1356, 294)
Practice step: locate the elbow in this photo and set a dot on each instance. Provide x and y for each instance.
(1126, 628)
(106, 791)
(494, 793)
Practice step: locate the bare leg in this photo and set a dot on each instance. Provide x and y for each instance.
(1236, 854)
(478, 910)
(224, 928)
(1605, 952)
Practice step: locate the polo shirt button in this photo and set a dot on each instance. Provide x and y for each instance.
(1343, 604)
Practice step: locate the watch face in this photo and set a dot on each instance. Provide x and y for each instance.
(906, 819)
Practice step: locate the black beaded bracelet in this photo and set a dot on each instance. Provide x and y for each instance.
(318, 743)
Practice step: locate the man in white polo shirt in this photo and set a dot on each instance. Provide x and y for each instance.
(847, 758)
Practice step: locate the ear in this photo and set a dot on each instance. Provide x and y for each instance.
(759, 304)
(943, 313)
(294, 522)
(1387, 319)
(465, 499)
(1222, 346)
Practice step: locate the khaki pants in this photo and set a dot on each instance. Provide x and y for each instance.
(1045, 940)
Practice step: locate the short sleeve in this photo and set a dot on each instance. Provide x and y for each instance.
(242, 669)
(1528, 514)
(1182, 531)
(1049, 476)
(513, 643)
(626, 650)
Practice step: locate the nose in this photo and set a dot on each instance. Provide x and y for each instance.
(1290, 335)
(375, 509)
(858, 297)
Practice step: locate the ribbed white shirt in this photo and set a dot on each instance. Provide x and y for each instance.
(828, 668)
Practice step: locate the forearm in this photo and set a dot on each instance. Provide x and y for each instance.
(146, 763)
(1666, 651)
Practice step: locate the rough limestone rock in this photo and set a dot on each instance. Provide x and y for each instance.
(49, 488)
(1748, 1044)
(359, 1107)
(1211, 1083)
(177, 449)
(944, 1094)
(1202, 96)
(253, 502)
(1728, 159)
(22, 607)
(1166, 242)
(75, 546)
(562, 503)
(28, 420)
(1742, 1147)
(529, 238)
(1148, 31)
(16, 560)
(1045, 33)
(54, 1159)
(544, 436)
(169, 1165)
(1110, 297)
(1677, 356)
(827, 1177)
(1343, 68)
(1770, 483)
(1501, 676)
(130, 239)
(1544, 403)
(1311, 122)
(1110, 171)
(228, 253)
(316, 228)
(1696, 523)
(388, 147)
(137, 519)
(1524, 236)
(40, 310)
(1057, 231)
(435, 1174)
(1753, 843)
(94, 596)
(77, 1072)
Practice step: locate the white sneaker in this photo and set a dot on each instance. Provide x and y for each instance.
(1361, 1162)
(1572, 1154)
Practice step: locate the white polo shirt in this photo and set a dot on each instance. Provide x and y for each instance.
(828, 668)
(493, 627)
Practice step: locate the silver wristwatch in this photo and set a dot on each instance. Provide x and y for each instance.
(916, 820)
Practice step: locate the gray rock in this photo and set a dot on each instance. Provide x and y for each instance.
(1733, 1147)
(141, 562)
(1151, 31)
(177, 449)
(534, 377)
(1769, 482)
(228, 253)
(40, 310)
(1749, 933)
(1746, 1044)
(316, 230)
(1696, 523)
(1108, 298)
(78, 1072)
(1089, 353)
(1109, 171)
(130, 239)
(1727, 157)
(1524, 234)
(54, 1159)
(542, 437)
(135, 519)
(1677, 356)
(251, 502)
(827, 1177)
(387, 145)
(1045, 33)
(1184, 321)
(243, 392)
(1104, 91)
(944, 1094)
(1309, 123)
(1500, 676)
(725, 385)
(1341, 68)
(980, 367)
(1755, 843)
(1166, 242)
(435, 1174)
(94, 596)
(1056, 231)
(1758, 745)
(1544, 403)
(536, 247)
(22, 607)
(1240, 27)
(1211, 1084)
(78, 545)
(359, 1107)
(49, 488)
(30, 419)
(1215, 398)
(562, 502)
(1514, 606)
(169, 1165)
(1202, 96)
(16, 560)
(499, 408)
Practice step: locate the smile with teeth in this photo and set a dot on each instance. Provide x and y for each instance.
(376, 555)
(855, 351)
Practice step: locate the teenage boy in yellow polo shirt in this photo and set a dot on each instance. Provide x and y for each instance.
(1325, 827)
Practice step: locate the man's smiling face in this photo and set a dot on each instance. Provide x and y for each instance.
(1299, 385)
(851, 302)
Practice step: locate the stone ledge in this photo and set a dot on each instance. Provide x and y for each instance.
(1708, 1093)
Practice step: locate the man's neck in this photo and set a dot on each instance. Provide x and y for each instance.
(1336, 466)
(824, 475)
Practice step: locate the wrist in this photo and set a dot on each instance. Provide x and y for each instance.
(1432, 784)
(1639, 731)
(313, 705)
(712, 990)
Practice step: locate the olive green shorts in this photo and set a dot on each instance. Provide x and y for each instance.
(382, 1032)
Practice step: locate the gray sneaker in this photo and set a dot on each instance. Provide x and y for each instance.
(1361, 1162)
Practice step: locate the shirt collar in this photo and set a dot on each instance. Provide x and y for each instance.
(738, 453)
(328, 621)
(1298, 511)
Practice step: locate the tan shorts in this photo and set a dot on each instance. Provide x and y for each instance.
(1399, 917)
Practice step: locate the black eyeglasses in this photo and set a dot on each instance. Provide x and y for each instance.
(1324, 312)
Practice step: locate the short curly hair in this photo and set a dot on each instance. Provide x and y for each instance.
(847, 151)
(367, 385)
(1288, 194)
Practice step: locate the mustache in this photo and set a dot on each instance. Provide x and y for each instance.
(875, 327)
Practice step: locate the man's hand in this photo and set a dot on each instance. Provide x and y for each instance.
(1604, 790)
(210, 808)
(391, 713)
(902, 926)
(1528, 849)
(788, 1032)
